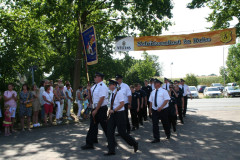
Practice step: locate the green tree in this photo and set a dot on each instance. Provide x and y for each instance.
(191, 80)
(142, 69)
(223, 11)
(47, 34)
(224, 75)
(233, 64)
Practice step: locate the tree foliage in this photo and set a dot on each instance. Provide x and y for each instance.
(223, 11)
(191, 80)
(46, 34)
(143, 69)
(233, 64)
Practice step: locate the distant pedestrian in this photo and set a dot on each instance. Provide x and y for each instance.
(173, 110)
(10, 98)
(135, 107)
(61, 87)
(186, 91)
(42, 90)
(143, 100)
(57, 98)
(25, 109)
(36, 105)
(147, 89)
(69, 101)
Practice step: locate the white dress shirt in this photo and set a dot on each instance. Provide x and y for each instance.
(166, 85)
(162, 95)
(126, 91)
(119, 98)
(186, 89)
(152, 85)
(99, 90)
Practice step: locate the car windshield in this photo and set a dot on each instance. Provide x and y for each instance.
(213, 89)
(217, 84)
(192, 89)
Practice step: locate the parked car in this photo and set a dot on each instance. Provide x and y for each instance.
(193, 91)
(201, 88)
(220, 87)
(232, 84)
(212, 92)
(231, 91)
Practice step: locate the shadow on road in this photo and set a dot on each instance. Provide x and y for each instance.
(200, 137)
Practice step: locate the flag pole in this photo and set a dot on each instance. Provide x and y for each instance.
(84, 50)
(86, 67)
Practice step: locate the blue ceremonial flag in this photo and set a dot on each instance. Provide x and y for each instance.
(90, 45)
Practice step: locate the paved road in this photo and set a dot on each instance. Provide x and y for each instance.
(211, 131)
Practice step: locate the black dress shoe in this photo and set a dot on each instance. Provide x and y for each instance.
(168, 137)
(155, 141)
(109, 154)
(87, 146)
(135, 147)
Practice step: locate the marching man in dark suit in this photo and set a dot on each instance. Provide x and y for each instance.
(159, 103)
(117, 118)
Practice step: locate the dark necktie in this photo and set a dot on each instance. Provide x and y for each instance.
(112, 98)
(155, 100)
(166, 87)
(183, 88)
(94, 89)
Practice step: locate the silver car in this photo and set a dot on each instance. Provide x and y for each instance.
(231, 91)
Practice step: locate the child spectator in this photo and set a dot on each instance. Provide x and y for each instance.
(86, 105)
(79, 99)
(7, 120)
(10, 98)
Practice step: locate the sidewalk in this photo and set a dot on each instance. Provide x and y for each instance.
(205, 135)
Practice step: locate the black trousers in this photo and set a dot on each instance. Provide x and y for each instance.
(100, 117)
(180, 112)
(172, 120)
(144, 111)
(140, 115)
(163, 116)
(185, 105)
(134, 117)
(127, 119)
(118, 120)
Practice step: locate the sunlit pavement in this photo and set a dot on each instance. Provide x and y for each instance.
(211, 131)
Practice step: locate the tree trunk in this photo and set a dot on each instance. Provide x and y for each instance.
(77, 67)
